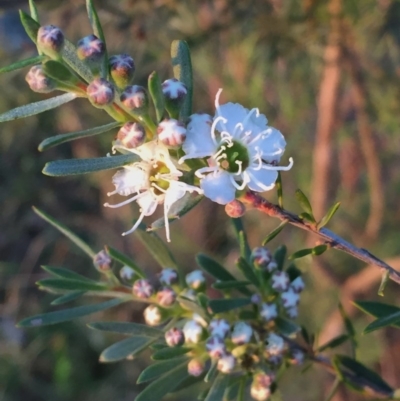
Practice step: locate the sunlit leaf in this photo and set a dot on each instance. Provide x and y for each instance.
(335, 342)
(169, 353)
(127, 328)
(389, 320)
(304, 202)
(378, 309)
(274, 233)
(23, 63)
(69, 55)
(326, 219)
(319, 249)
(159, 368)
(245, 250)
(123, 349)
(33, 10)
(66, 273)
(301, 253)
(30, 25)
(71, 285)
(157, 96)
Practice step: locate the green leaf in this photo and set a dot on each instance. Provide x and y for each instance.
(218, 388)
(32, 109)
(169, 353)
(335, 342)
(69, 55)
(182, 67)
(191, 305)
(213, 268)
(304, 202)
(71, 136)
(159, 368)
(293, 272)
(279, 190)
(127, 328)
(247, 271)
(224, 305)
(308, 217)
(156, 247)
(33, 10)
(66, 231)
(60, 168)
(377, 309)
(164, 384)
(23, 63)
(71, 296)
(57, 71)
(125, 260)
(65, 315)
(385, 279)
(30, 25)
(128, 347)
(280, 255)
(228, 285)
(66, 273)
(347, 322)
(325, 220)
(287, 327)
(319, 249)
(389, 320)
(157, 96)
(301, 253)
(71, 285)
(274, 233)
(245, 250)
(177, 210)
(359, 376)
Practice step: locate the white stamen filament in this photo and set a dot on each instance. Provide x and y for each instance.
(250, 113)
(239, 163)
(125, 202)
(237, 126)
(200, 171)
(219, 152)
(278, 168)
(136, 225)
(214, 124)
(239, 186)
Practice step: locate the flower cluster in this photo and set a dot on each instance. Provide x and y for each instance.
(252, 341)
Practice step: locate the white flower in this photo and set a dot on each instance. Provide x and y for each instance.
(195, 280)
(127, 273)
(152, 181)
(280, 281)
(168, 276)
(290, 298)
(297, 284)
(152, 315)
(268, 311)
(243, 149)
(192, 331)
(219, 328)
(275, 344)
(226, 363)
(242, 333)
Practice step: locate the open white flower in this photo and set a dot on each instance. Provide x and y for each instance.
(152, 181)
(243, 149)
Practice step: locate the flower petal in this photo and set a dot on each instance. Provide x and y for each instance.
(148, 203)
(131, 179)
(218, 187)
(261, 180)
(198, 142)
(272, 145)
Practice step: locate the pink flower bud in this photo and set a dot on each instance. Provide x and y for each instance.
(90, 48)
(260, 388)
(166, 296)
(195, 367)
(122, 69)
(134, 97)
(261, 257)
(215, 347)
(142, 289)
(174, 337)
(50, 40)
(174, 89)
(38, 81)
(171, 132)
(100, 92)
(226, 363)
(235, 209)
(131, 135)
(102, 261)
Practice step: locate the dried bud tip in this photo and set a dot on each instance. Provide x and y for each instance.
(235, 209)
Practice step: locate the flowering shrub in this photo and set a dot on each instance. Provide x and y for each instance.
(243, 340)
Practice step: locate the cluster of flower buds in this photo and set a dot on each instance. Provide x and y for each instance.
(253, 344)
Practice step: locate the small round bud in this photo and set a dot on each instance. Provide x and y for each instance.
(131, 135)
(268, 311)
(256, 299)
(134, 98)
(280, 281)
(275, 344)
(196, 280)
(91, 49)
(127, 273)
(171, 132)
(102, 261)
(292, 312)
(100, 92)
(297, 284)
(142, 289)
(195, 367)
(50, 40)
(193, 332)
(226, 364)
(297, 357)
(215, 347)
(38, 81)
(260, 388)
(168, 276)
(152, 315)
(166, 296)
(122, 69)
(241, 333)
(272, 266)
(174, 337)
(174, 89)
(261, 257)
(235, 209)
(290, 298)
(218, 328)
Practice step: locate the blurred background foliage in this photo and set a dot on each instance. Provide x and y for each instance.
(326, 73)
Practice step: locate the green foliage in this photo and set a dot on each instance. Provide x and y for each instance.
(23, 63)
(157, 96)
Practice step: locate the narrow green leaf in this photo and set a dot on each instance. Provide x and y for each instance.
(245, 250)
(123, 349)
(71, 136)
(187, 382)
(293, 272)
(156, 247)
(66, 231)
(247, 271)
(169, 353)
(71, 296)
(125, 260)
(307, 216)
(279, 190)
(159, 368)
(127, 328)
(157, 96)
(377, 309)
(60, 168)
(218, 388)
(319, 249)
(32, 109)
(224, 305)
(287, 327)
(182, 67)
(389, 320)
(280, 255)
(177, 210)
(23, 63)
(213, 268)
(30, 25)
(65, 315)
(301, 253)
(203, 300)
(304, 202)
(326, 219)
(56, 70)
(334, 389)
(229, 285)
(69, 55)
(191, 305)
(164, 384)
(274, 233)
(66, 273)
(347, 322)
(211, 374)
(33, 10)
(71, 285)
(384, 281)
(335, 342)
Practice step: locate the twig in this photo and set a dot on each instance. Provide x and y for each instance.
(330, 238)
